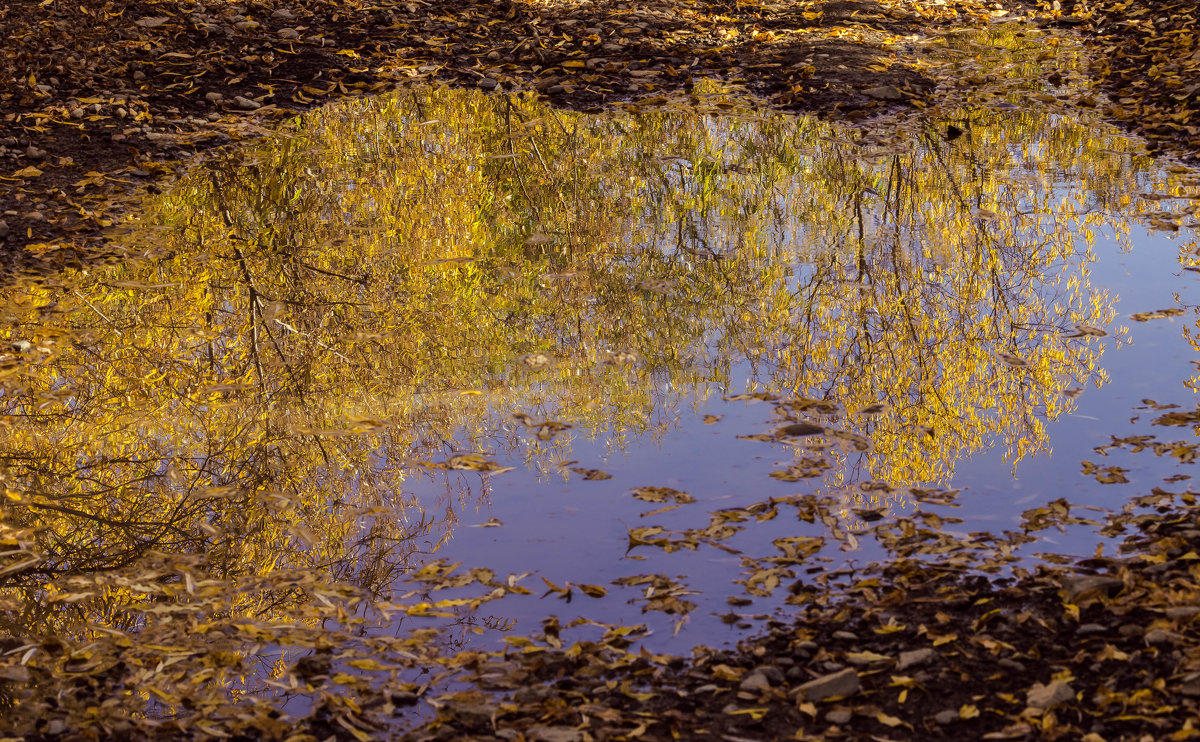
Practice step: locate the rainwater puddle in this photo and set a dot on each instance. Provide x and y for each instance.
(620, 352)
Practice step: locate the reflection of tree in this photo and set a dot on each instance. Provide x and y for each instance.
(951, 284)
(335, 311)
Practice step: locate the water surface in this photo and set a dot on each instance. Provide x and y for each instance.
(587, 348)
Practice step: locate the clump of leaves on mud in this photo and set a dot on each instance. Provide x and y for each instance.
(1149, 59)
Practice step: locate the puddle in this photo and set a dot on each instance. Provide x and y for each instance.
(447, 326)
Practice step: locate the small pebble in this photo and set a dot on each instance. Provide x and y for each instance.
(754, 682)
(139, 75)
(288, 33)
(246, 104)
(914, 658)
(1183, 611)
(284, 14)
(949, 716)
(1159, 636)
(772, 673)
(838, 716)
(488, 83)
(34, 153)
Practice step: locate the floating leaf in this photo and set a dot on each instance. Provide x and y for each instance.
(1156, 314)
(662, 494)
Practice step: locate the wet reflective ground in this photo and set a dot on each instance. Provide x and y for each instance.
(664, 361)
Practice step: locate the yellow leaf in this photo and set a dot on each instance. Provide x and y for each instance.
(866, 657)
(967, 711)
(755, 714)
(366, 664)
(29, 172)
(890, 721)
(592, 591)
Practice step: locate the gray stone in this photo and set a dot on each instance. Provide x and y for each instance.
(553, 734)
(1159, 636)
(403, 698)
(284, 14)
(1090, 586)
(949, 716)
(884, 92)
(1183, 611)
(1044, 696)
(289, 34)
(1190, 686)
(773, 673)
(214, 97)
(833, 685)
(1090, 628)
(488, 83)
(838, 716)
(472, 713)
(755, 682)
(34, 153)
(246, 104)
(847, 635)
(915, 658)
(805, 648)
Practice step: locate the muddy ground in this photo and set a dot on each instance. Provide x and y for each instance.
(97, 99)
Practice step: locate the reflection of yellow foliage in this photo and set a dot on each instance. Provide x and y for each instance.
(390, 281)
